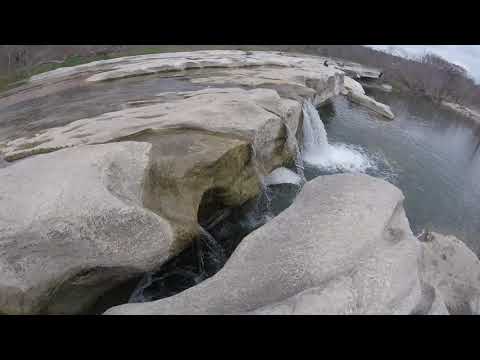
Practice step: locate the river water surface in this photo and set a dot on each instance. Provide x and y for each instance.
(432, 154)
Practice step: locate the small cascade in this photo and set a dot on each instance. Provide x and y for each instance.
(298, 156)
(314, 133)
(329, 157)
(212, 249)
(265, 196)
(138, 294)
(216, 218)
(203, 259)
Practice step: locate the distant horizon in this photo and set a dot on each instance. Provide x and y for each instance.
(466, 56)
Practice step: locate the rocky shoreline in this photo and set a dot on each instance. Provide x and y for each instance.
(94, 202)
(465, 111)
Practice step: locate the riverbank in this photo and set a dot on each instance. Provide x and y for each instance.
(463, 110)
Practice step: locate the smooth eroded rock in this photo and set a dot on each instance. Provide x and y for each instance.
(372, 104)
(344, 246)
(454, 270)
(351, 85)
(73, 225)
(355, 92)
(259, 116)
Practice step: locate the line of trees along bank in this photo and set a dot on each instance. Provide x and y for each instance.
(429, 75)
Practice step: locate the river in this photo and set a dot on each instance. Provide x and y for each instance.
(429, 152)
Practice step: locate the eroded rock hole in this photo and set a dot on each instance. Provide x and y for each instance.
(222, 230)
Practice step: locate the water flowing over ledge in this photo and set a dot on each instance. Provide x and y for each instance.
(329, 157)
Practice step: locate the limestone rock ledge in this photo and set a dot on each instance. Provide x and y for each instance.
(73, 225)
(355, 92)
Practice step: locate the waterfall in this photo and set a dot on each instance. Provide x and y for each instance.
(192, 266)
(314, 134)
(329, 157)
(212, 249)
(292, 140)
(265, 196)
(138, 294)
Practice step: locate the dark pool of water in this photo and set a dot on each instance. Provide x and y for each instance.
(432, 154)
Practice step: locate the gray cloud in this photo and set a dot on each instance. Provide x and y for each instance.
(467, 56)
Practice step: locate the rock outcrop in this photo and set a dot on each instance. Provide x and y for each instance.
(292, 79)
(355, 70)
(343, 247)
(352, 86)
(463, 110)
(454, 271)
(372, 104)
(355, 92)
(73, 225)
(215, 141)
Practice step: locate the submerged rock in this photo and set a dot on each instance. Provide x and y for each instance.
(344, 246)
(356, 70)
(210, 148)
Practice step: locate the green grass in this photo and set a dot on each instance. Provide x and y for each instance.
(9, 81)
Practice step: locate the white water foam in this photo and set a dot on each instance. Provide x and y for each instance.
(283, 175)
(330, 157)
(292, 140)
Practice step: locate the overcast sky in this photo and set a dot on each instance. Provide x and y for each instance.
(467, 56)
